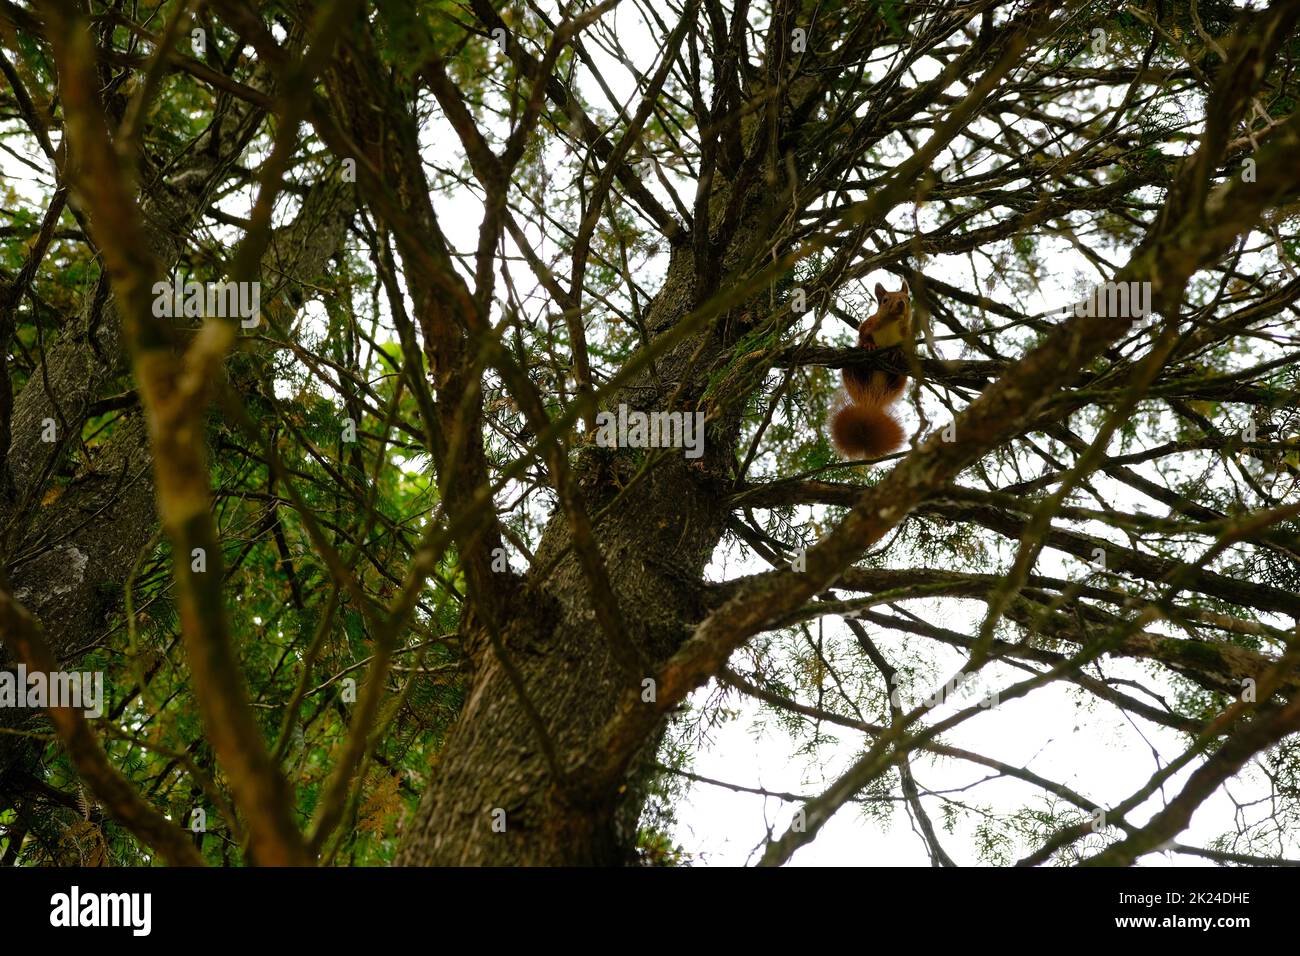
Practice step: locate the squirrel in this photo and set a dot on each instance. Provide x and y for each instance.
(860, 423)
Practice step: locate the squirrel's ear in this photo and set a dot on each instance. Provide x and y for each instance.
(880, 292)
(905, 288)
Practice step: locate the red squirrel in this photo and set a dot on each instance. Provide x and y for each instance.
(860, 423)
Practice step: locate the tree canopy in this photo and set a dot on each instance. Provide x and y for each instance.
(324, 323)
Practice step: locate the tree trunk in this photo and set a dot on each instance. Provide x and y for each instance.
(656, 539)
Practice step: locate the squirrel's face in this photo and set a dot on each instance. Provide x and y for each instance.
(892, 319)
(893, 306)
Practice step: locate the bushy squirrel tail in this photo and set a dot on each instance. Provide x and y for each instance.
(863, 431)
